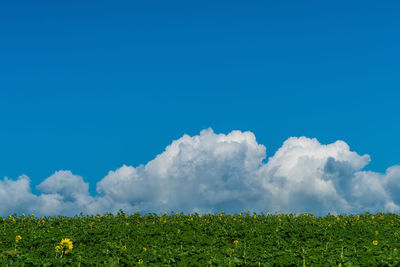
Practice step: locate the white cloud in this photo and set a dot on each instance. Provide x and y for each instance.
(65, 184)
(15, 196)
(217, 172)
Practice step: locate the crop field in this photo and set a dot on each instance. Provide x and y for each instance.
(201, 240)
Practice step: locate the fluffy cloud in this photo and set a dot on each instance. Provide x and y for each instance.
(193, 174)
(217, 172)
(62, 194)
(15, 196)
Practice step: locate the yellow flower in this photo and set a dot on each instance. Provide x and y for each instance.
(67, 242)
(376, 232)
(144, 249)
(375, 242)
(140, 261)
(395, 249)
(18, 238)
(127, 224)
(124, 246)
(179, 230)
(236, 242)
(372, 217)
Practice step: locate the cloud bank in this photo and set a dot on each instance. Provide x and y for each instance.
(211, 173)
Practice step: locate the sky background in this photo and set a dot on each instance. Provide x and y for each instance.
(88, 86)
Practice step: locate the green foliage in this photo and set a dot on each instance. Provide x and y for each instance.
(194, 240)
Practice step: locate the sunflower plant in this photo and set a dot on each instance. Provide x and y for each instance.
(64, 247)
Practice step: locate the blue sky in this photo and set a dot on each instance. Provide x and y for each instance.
(88, 86)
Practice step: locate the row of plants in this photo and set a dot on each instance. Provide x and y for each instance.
(200, 240)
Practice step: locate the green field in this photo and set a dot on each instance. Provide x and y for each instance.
(194, 240)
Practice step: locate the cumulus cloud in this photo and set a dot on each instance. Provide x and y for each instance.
(216, 172)
(15, 196)
(193, 173)
(65, 184)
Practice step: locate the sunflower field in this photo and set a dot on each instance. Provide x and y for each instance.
(201, 240)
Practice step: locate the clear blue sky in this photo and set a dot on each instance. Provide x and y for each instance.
(88, 86)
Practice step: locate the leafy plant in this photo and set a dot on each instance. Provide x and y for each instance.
(201, 240)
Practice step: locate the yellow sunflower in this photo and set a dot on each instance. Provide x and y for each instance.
(67, 242)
